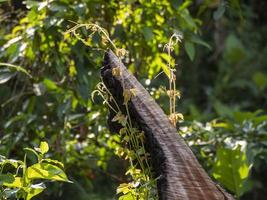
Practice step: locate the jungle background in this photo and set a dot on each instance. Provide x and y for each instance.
(221, 74)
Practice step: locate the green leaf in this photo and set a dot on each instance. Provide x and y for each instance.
(148, 33)
(16, 183)
(123, 188)
(6, 178)
(235, 52)
(12, 162)
(223, 110)
(155, 64)
(197, 40)
(166, 70)
(55, 162)
(127, 196)
(184, 13)
(219, 12)
(164, 66)
(9, 193)
(260, 79)
(176, 3)
(34, 190)
(44, 147)
(5, 75)
(46, 171)
(190, 50)
(33, 151)
(50, 85)
(231, 169)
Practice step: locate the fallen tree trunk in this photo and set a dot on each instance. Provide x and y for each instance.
(181, 176)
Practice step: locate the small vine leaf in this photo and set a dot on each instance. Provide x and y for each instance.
(121, 52)
(116, 72)
(174, 117)
(119, 117)
(174, 93)
(128, 94)
(123, 131)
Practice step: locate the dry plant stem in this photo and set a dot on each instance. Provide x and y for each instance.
(174, 39)
(94, 28)
(133, 142)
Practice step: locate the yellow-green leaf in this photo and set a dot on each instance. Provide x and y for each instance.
(17, 183)
(44, 147)
(128, 94)
(231, 169)
(123, 188)
(46, 171)
(34, 190)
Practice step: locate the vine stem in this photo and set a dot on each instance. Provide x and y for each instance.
(94, 28)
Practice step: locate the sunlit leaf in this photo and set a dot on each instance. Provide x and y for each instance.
(16, 183)
(123, 188)
(46, 171)
(231, 169)
(128, 94)
(34, 190)
(127, 196)
(44, 147)
(55, 162)
(50, 84)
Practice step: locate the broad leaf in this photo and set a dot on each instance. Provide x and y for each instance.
(34, 190)
(16, 183)
(231, 169)
(127, 196)
(219, 12)
(50, 85)
(148, 33)
(6, 178)
(190, 50)
(46, 171)
(55, 162)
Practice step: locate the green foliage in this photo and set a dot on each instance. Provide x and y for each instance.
(232, 148)
(18, 179)
(231, 169)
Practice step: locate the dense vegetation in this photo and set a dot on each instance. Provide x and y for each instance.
(45, 89)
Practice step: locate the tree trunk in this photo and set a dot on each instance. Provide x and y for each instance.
(181, 176)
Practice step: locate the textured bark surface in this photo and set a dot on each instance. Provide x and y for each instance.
(181, 176)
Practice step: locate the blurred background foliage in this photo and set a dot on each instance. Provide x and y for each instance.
(221, 74)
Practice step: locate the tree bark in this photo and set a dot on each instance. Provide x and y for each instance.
(181, 177)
